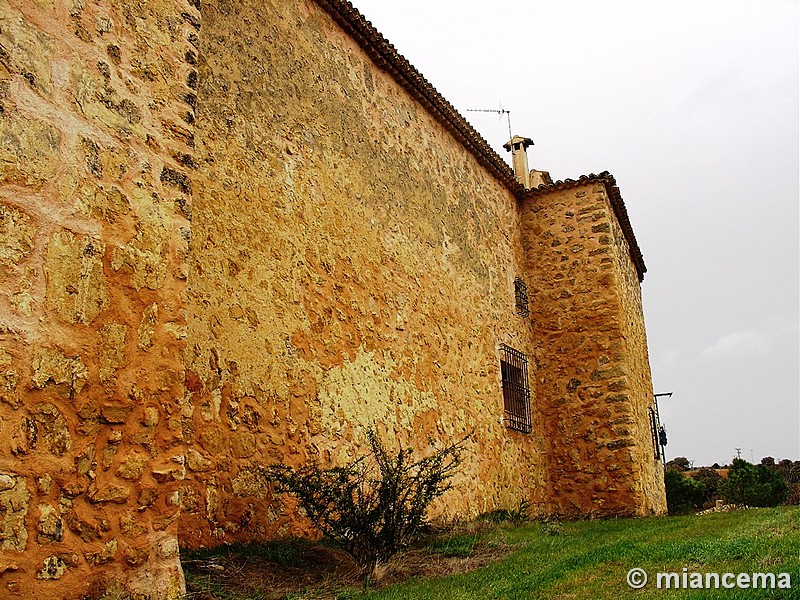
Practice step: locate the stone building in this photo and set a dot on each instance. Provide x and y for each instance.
(244, 232)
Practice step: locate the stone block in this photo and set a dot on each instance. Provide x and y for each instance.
(147, 327)
(150, 417)
(7, 482)
(8, 388)
(115, 414)
(29, 49)
(168, 548)
(243, 444)
(103, 104)
(112, 350)
(109, 205)
(53, 567)
(131, 524)
(136, 557)
(67, 373)
(132, 467)
(29, 149)
(212, 440)
(53, 429)
(77, 289)
(17, 231)
(144, 257)
(82, 527)
(197, 462)
(165, 474)
(103, 555)
(50, 527)
(108, 492)
(250, 482)
(25, 437)
(14, 501)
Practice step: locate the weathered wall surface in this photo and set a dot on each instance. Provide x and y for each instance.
(593, 381)
(95, 133)
(351, 266)
(648, 474)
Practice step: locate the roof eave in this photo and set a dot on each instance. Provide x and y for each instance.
(386, 57)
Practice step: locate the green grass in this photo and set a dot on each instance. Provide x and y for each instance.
(458, 545)
(591, 559)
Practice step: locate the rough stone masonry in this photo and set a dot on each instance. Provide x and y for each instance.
(245, 232)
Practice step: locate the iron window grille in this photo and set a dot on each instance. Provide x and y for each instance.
(516, 391)
(521, 297)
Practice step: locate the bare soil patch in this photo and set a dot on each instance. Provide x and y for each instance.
(276, 571)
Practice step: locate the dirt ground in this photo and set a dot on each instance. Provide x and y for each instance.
(317, 571)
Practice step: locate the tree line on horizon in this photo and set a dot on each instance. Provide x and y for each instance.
(768, 483)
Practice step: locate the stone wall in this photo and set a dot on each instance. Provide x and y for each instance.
(593, 379)
(648, 473)
(95, 137)
(351, 266)
(245, 247)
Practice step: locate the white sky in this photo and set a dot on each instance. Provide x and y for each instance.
(693, 107)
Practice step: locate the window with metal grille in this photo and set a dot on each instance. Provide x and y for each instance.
(521, 296)
(516, 392)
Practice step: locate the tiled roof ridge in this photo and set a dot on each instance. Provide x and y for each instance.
(617, 204)
(386, 56)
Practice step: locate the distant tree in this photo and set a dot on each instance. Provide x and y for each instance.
(768, 461)
(754, 485)
(711, 480)
(684, 494)
(715, 466)
(791, 473)
(679, 463)
(790, 470)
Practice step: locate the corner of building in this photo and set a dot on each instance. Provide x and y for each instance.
(592, 371)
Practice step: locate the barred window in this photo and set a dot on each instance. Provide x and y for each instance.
(521, 297)
(516, 391)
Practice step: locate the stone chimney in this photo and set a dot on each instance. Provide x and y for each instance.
(518, 147)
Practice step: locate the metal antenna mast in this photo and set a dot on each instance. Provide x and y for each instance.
(498, 111)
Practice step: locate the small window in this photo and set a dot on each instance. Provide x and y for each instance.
(516, 392)
(521, 296)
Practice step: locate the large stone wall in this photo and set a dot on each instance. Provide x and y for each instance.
(593, 378)
(95, 131)
(351, 266)
(248, 246)
(647, 473)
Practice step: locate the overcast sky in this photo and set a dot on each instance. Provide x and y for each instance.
(693, 107)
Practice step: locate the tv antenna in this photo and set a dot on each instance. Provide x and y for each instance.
(498, 111)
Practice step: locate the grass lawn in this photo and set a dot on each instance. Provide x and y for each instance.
(553, 561)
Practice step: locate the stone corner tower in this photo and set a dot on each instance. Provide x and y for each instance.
(594, 387)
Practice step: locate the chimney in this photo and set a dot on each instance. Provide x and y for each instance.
(518, 147)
